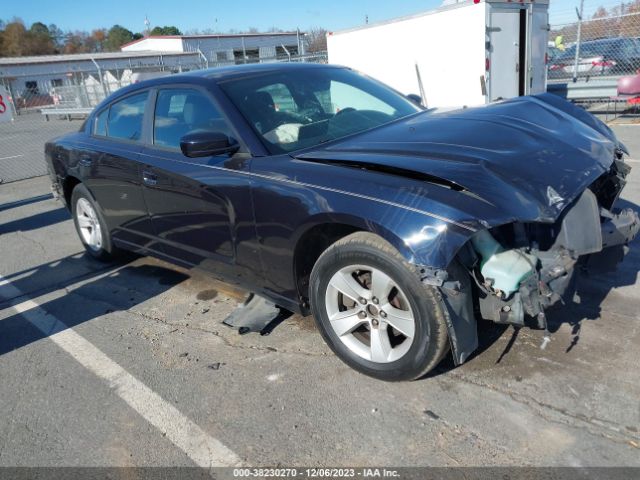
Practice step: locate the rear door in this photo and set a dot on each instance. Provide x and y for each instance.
(111, 169)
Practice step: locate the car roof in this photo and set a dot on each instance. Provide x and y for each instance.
(217, 74)
(235, 71)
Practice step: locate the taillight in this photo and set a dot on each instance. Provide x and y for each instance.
(603, 63)
(487, 64)
(556, 66)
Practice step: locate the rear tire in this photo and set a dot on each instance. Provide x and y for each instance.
(91, 226)
(395, 328)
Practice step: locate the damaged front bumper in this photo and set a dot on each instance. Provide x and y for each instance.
(518, 270)
(588, 235)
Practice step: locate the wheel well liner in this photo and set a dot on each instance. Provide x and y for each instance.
(309, 248)
(68, 184)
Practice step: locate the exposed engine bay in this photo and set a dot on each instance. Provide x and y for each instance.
(518, 270)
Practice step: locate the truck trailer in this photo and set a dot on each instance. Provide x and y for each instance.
(463, 53)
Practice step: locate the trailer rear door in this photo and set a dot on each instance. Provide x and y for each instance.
(539, 31)
(504, 32)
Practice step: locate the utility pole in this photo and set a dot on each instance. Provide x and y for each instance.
(575, 66)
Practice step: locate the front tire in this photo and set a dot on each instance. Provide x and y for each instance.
(374, 312)
(90, 225)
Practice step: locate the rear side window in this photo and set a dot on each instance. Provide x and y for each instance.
(125, 117)
(100, 123)
(182, 111)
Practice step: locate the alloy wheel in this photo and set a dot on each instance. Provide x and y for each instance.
(370, 314)
(89, 224)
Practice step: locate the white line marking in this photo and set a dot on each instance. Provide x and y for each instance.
(199, 446)
(632, 160)
(8, 158)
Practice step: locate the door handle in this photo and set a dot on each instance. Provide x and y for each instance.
(149, 178)
(85, 161)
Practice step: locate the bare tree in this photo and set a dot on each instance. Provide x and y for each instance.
(316, 40)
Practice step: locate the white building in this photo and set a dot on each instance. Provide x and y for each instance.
(84, 79)
(232, 48)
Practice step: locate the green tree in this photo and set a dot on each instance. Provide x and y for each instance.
(116, 37)
(39, 41)
(162, 31)
(58, 36)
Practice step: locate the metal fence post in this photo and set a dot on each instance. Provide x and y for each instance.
(575, 66)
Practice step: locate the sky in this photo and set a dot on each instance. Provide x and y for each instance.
(223, 15)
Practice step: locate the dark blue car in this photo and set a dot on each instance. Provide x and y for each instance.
(331, 194)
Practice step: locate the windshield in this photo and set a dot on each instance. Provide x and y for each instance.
(302, 108)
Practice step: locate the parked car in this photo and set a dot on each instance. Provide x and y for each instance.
(390, 223)
(610, 56)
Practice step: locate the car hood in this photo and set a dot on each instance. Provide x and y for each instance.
(528, 157)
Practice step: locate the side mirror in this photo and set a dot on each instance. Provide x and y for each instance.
(417, 99)
(207, 144)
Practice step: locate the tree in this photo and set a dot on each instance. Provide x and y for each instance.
(2, 25)
(163, 31)
(98, 38)
(58, 36)
(14, 39)
(316, 40)
(116, 37)
(76, 42)
(39, 41)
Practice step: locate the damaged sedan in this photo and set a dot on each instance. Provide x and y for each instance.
(325, 192)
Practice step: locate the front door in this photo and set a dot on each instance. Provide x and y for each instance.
(200, 208)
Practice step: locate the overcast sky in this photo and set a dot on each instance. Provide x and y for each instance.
(224, 15)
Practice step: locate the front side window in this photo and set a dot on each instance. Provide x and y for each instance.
(182, 111)
(303, 108)
(100, 123)
(126, 116)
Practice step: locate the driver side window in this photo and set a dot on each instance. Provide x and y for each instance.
(179, 112)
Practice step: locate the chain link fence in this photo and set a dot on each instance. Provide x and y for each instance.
(56, 102)
(605, 46)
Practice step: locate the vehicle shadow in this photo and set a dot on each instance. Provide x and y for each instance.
(24, 202)
(601, 276)
(33, 222)
(117, 287)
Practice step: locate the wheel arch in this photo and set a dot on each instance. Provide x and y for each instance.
(322, 231)
(440, 253)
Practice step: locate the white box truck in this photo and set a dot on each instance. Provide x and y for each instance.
(462, 54)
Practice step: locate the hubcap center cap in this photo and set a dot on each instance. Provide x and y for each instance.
(372, 310)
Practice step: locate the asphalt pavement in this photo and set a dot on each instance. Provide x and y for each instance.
(129, 364)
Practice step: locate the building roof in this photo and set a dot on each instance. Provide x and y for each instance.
(8, 61)
(218, 35)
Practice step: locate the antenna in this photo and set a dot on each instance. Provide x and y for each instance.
(147, 24)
